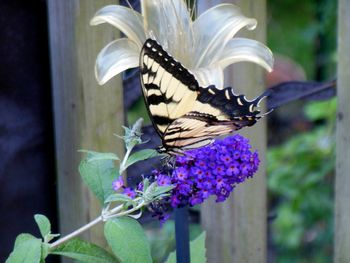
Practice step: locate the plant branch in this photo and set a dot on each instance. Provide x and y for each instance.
(107, 215)
(122, 165)
(76, 232)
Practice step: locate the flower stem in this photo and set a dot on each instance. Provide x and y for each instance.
(122, 165)
(75, 233)
(109, 214)
(139, 206)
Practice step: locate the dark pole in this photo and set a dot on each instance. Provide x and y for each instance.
(182, 235)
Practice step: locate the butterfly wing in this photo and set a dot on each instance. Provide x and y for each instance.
(184, 114)
(215, 113)
(169, 89)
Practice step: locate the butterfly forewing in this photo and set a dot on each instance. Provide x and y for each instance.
(169, 89)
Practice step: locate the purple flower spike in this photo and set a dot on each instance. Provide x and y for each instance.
(117, 184)
(212, 170)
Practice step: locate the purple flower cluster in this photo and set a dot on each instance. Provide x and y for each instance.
(212, 170)
(200, 173)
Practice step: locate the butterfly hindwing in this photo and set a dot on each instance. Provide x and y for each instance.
(196, 129)
(226, 105)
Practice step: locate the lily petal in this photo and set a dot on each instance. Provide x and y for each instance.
(214, 28)
(125, 19)
(116, 57)
(243, 49)
(169, 22)
(212, 75)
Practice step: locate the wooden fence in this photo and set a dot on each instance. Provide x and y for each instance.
(86, 116)
(342, 185)
(241, 220)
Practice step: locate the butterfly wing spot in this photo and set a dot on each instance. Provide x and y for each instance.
(227, 95)
(211, 91)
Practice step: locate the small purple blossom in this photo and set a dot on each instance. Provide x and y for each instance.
(129, 192)
(163, 180)
(117, 184)
(140, 187)
(181, 173)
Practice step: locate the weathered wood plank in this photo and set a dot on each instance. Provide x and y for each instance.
(236, 229)
(86, 115)
(342, 185)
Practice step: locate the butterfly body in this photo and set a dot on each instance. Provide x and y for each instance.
(184, 114)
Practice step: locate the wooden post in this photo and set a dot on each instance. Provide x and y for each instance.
(236, 229)
(86, 115)
(342, 184)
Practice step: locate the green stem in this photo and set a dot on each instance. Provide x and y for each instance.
(109, 214)
(75, 233)
(138, 207)
(122, 165)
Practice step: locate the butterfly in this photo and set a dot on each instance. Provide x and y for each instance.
(184, 114)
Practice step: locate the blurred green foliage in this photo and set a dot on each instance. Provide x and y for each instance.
(304, 31)
(300, 182)
(301, 171)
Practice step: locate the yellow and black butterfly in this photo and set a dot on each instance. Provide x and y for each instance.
(185, 115)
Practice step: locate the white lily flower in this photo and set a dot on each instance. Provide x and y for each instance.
(204, 46)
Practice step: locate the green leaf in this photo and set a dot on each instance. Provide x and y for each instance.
(45, 248)
(162, 190)
(84, 251)
(99, 175)
(132, 135)
(43, 224)
(155, 191)
(140, 156)
(197, 251)
(93, 156)
(27, 249)
(118, 198)
(145, 184)
(128, 241)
